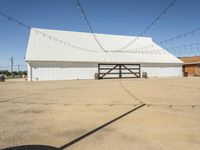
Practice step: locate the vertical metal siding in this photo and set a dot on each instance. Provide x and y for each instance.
(162, 71)
(73, 71)
(63, 71)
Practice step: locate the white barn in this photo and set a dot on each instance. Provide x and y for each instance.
(50, 59)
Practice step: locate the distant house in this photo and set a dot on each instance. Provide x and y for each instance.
(191, 65)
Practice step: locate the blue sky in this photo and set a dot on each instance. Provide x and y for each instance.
(126, 17)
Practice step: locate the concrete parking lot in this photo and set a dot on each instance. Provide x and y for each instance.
(55, 113)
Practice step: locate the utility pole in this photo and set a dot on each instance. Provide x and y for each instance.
(11, 61)
(18, 67)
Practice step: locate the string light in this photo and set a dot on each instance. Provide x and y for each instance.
(39, 32)
(178, 37)
(177, 49)
(184, 46)
(134, 50)
(89, 26)
(156, 20)
(185, 49)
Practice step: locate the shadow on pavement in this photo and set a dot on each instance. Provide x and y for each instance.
(43, 147)
(32, 147)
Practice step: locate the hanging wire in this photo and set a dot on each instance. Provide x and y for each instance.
(44, 34)
(186, 45)
(187, 48)
(180, 36)
(149, 27)
(172, 39)
(187, 51)
(89, 26)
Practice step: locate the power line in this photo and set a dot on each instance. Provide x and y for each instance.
(14, 67)
(11, 19)
(4, 66)
(89, 25)
(156, 20)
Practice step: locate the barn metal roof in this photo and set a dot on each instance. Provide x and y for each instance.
(44, 48)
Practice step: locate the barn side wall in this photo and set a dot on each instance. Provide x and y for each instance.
(61, 71)
(39, 71)
(162, 70)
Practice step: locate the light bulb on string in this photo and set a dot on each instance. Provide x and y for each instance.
(161, 42)
(9, 19)
(28, 28)
(164, 13)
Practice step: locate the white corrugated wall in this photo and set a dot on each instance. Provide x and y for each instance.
(61, 71)
(162, 70)
(39, 71)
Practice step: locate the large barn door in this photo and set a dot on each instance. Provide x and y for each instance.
(110, 71)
